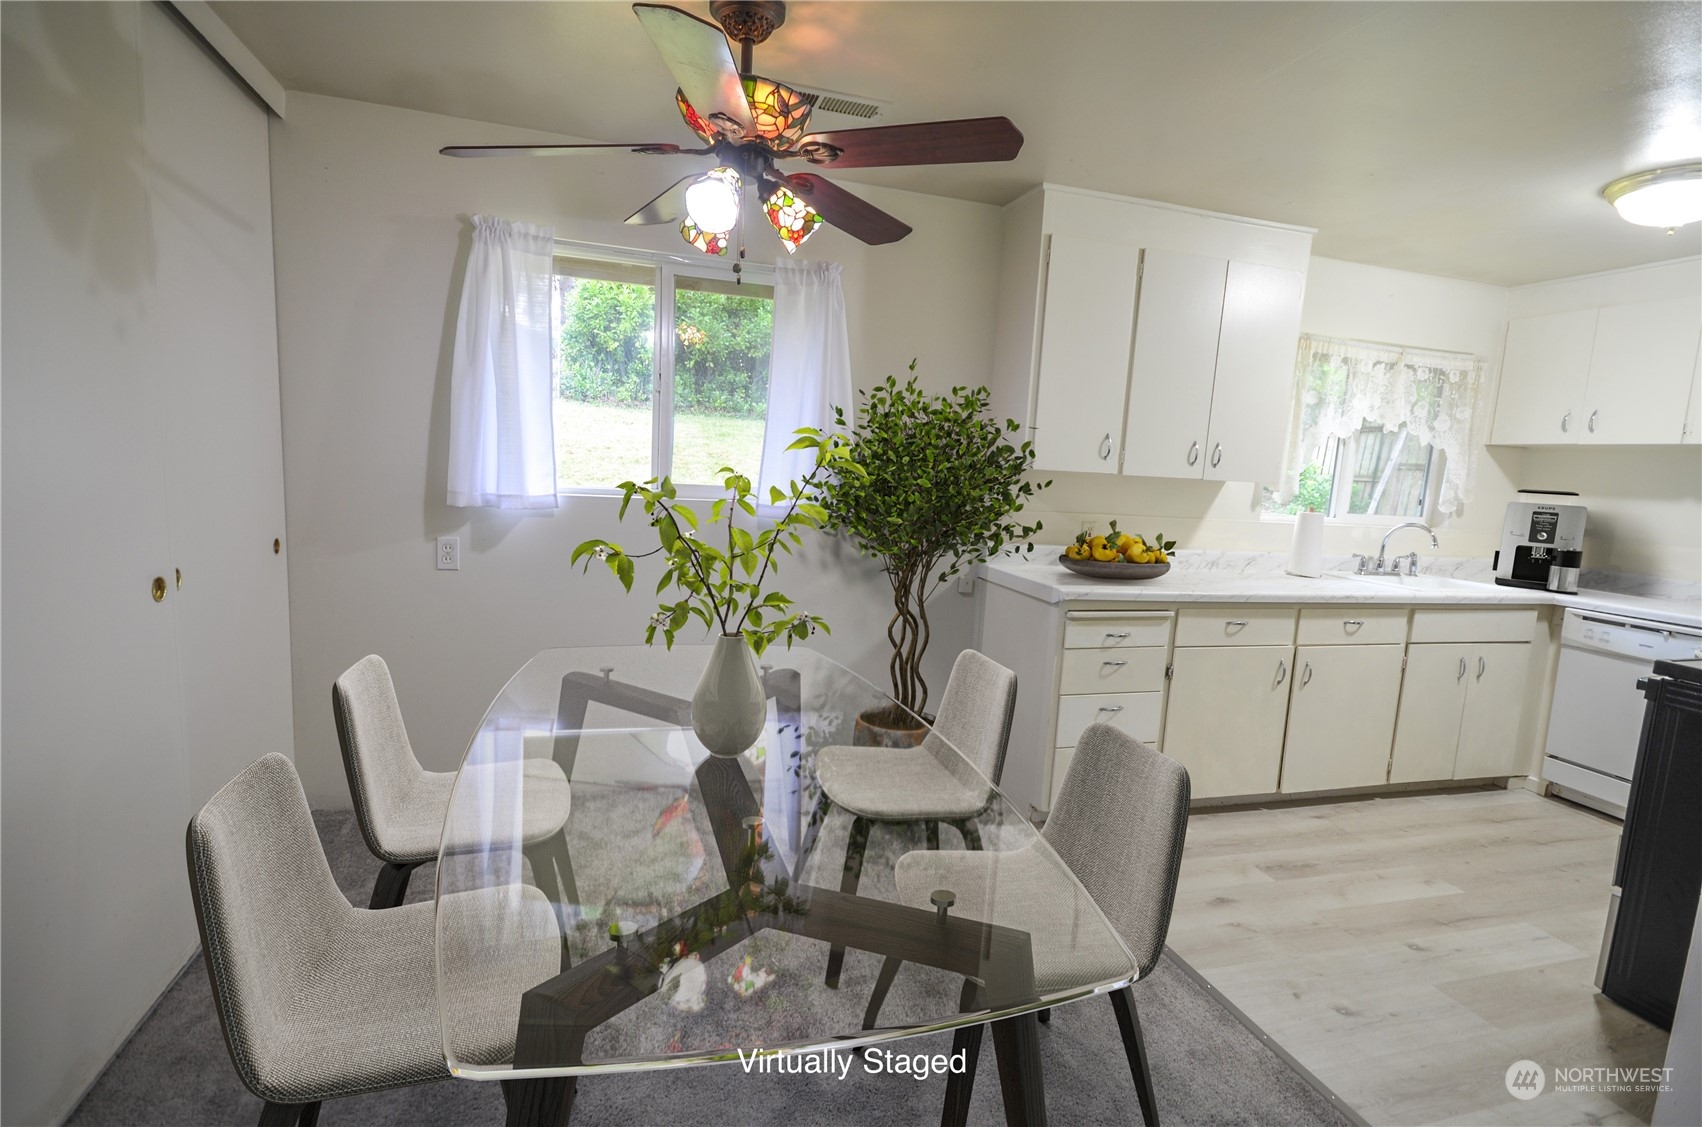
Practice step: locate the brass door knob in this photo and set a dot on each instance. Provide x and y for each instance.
(159, 588)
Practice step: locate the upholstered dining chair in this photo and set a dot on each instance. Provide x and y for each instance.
(929, 783)
(400, 806)
(318, 999)
(1118, 822)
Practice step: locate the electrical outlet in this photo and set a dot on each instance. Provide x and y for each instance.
(966, 585)
(449, 553)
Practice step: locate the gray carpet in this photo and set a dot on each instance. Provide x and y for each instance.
(1207, 1067)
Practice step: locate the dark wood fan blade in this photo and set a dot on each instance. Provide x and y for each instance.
(667, 207)
(701, 61)
(930, 142)
(857, 218)
(653, 148)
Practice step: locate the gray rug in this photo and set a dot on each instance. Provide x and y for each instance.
(1207, 1067)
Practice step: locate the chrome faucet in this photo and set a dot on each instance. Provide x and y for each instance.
(1383, 548)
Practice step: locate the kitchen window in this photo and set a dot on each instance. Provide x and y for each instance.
(633, 403)
(1379, 431)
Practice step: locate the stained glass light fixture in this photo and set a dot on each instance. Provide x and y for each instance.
(712, 201)
(693, 120)
(792, 219)
(780, 113)
(709, 242)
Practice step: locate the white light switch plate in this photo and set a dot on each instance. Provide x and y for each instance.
(449, 553)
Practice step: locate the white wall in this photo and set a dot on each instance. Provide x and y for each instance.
(371, 228)
(141, 437)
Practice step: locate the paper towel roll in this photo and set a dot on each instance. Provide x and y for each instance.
(1306, 554)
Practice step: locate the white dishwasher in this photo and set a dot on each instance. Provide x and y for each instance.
(1597, 715)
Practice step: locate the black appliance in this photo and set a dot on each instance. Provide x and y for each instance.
(1660, 853)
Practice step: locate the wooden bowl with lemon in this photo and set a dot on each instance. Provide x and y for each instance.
(1118, 555)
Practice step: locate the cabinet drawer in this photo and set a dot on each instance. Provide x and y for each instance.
(1366, 626)
(1474, 624)
(1108, 630)
(1126, 671)
(1138, 714)
(1235, 626)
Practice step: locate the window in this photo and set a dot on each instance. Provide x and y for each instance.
(1379, 430)
(1373, 472)
(632, 403)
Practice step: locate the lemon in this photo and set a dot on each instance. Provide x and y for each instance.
(1104, 553)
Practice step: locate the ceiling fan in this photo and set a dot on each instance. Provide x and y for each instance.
(749, 123)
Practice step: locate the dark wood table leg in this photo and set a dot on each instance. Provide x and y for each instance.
(1017, 1042)
(540, 1103)
(966, 1040)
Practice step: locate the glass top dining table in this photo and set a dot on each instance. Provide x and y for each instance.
(612, 897)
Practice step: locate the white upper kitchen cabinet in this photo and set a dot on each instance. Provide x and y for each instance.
(1543, 373)
(1255, 372)
(1136, 337)
(1640, 372)
(1084, 355)
(1175, 364)
(1614, 375)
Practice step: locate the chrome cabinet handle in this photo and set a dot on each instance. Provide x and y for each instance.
(1105, 448)
(1111, 708)
(1306, 675)
(1216, 454)
(1460, 676)
(1592, 423)
(1194, 453)
(1481, 666)
(1113, 664)
(1282, 670)
(1566, 422)
(1119, 637)
(1235, 622)
(1355, 622)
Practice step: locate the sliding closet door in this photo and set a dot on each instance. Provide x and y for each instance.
(141, 438)
(216, 358)
(96, 918)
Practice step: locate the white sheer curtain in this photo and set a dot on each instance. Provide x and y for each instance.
(810, 369)
(1343, 384)
(501, 404)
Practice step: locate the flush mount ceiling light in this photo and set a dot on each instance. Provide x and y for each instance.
(1659, 197)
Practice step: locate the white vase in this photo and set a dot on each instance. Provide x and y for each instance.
(729, 707)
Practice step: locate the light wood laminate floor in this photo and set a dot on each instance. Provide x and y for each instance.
(1408, 949)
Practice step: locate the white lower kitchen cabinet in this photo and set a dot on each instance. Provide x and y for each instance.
(1433, 699)
(1460, 711)
(1225, 720)
(1489, 730)
(1341, 717)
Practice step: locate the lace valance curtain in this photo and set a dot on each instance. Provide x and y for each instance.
(1344, 384)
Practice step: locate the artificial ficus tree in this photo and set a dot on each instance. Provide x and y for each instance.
(940, 482)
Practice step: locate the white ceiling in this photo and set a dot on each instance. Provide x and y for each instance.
(1463, 139)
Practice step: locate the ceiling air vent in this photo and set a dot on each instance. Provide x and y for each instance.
(850, 105)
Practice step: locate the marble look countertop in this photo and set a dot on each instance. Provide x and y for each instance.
(1258, 577)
